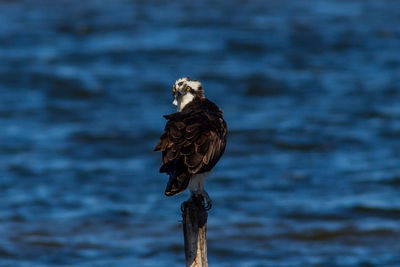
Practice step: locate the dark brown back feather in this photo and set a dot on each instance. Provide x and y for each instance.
(193, 141)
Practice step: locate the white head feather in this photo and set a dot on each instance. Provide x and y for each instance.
(182, 97)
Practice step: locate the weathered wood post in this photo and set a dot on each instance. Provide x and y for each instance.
(194, 231)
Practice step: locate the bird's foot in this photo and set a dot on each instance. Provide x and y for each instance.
(208, 205)
(205, 198)
(185, 204)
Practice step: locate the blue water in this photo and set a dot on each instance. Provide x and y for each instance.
(310, 91)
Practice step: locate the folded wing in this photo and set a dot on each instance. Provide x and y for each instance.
(192, 143)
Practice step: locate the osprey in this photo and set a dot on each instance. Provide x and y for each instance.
(193, 141)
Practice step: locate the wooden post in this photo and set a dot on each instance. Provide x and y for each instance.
(194, 231)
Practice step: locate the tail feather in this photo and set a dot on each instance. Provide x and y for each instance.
(177, 184)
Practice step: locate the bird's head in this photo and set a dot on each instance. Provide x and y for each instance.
(185, 90)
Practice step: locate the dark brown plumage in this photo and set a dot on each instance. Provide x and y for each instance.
(192, 143)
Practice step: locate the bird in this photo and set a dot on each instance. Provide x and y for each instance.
(193, 141)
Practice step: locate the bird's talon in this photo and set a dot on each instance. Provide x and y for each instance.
(208, 205)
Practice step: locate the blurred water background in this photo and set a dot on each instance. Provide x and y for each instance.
(311, 94)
